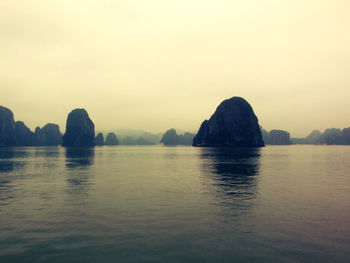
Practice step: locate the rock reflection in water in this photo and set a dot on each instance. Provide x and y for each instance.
(79, 157)
(78, 162)
(12, 158)
(235, 170)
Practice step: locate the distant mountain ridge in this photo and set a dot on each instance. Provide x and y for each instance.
(16, 133)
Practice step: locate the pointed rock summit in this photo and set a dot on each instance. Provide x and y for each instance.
(111, 139)
(233, 124)
(80, 130)
(170, 137)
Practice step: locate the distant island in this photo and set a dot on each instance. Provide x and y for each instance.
(80, 130)
(331, 136)
(18, 134)
(233, 124)
(171, 137)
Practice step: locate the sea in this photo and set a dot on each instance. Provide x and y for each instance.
(175, 204)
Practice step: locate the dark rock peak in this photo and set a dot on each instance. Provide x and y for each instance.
(332, 136)
(346, 135)
(80, 130)
(233, 124)
(315, 133)
(170, 138)
(20, 125)
(279, 137)
(111, 139)
(314, 136)
(24, 136)
(99, 140)
(7, 127)
(49, 135)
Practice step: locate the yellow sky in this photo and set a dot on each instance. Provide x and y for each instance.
(157, 64)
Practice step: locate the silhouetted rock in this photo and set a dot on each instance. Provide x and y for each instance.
(49, 135)
(24, 136)
(346, 135)
(233, 124)
(80, 130)
(313, 137)
(331, 136)
(7, 127)
(111, 139)
(99, 141)
(186, 138)
(279, 137)
(170, 138)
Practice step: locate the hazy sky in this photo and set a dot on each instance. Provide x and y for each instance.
(157, 64)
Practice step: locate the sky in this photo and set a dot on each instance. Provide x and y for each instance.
(159, 64)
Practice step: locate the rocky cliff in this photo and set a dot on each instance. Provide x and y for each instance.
(49, 135)
(80, 130)
(111, 139)
(7, 127)
(99, 140)
(24, 136)
(233, 124)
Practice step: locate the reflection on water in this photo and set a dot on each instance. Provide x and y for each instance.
(234, 170)
(175, 204)
(10, 159)
(79, 157)
(78, 161)
(6, 161)
(47, 152)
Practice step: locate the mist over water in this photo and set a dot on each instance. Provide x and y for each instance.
(175, 204)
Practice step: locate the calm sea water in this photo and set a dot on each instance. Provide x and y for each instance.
(175, 204)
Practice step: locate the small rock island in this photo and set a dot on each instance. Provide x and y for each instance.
(49, 135)
(234, 124)
(80, 130)
(171, 138)
(111, 139)
(99, 140)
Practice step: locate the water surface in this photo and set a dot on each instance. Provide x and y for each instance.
(175, 204)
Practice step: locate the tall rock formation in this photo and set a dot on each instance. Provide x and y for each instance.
(331, 136)
(233, 124)
(279, 137)
(111, 139)
(313, 137)
(170, 138)
(49, 135)
(99, 140)
(7, 127)
(346, 135)
(80, 130)
(24, 136)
